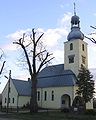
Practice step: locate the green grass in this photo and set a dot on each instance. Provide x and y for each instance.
(48, 116)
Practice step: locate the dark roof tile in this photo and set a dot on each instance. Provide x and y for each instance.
(22, 87)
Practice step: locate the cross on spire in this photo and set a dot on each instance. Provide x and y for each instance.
(74, 9)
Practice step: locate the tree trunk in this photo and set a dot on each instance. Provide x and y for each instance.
(33, 100)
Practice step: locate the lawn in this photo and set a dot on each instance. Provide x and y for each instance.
(47, 116)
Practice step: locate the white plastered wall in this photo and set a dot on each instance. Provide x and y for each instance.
(77, 52)
(58, 92)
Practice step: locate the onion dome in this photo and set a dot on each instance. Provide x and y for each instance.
(75, 29)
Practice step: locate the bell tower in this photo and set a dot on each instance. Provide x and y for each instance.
(75, 49)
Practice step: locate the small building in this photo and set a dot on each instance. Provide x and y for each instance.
(19, 94)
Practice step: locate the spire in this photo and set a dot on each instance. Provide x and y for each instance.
(74, 8)
(75, 28)
(75, 19)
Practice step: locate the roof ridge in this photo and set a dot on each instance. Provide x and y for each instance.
(20, 80)
(55, 65)
(55, 75)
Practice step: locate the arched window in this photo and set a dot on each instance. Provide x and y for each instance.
(52, 95)
(13, 100)
(71, 46)
(9, 100)
(38, 95)
(5, 100)
(45, 95)
(83, 47)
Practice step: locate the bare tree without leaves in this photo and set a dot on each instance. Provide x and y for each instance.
(41, 55)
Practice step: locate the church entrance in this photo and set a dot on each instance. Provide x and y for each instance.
(65, 101)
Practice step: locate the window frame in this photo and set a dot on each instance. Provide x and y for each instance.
(5, 100)
(13, 100)
(71, 58)
(71, 46)
(52, 95)
(83, 47)
(38, 95)
(9, 100)
(45, 95)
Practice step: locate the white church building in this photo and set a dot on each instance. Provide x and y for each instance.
(56, 85)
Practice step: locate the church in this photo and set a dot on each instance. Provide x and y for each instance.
(56, 84)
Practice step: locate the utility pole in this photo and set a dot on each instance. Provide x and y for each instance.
(8, 89)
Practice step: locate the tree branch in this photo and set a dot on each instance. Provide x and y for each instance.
(23, 38)
(44, 61)
(1, 56)
(48, 60)
(40, 53)
(28, 44)
(2, 67)
(39, 38)
(93, 27)
(91, 39)
(28, 61)
(33, 33)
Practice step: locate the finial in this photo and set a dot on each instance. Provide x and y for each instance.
(74, 9)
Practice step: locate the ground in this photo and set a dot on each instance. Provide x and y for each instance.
(47, 116)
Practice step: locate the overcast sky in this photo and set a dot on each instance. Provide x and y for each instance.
(49, 16)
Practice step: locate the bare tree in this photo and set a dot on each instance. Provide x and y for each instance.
(39, 53)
